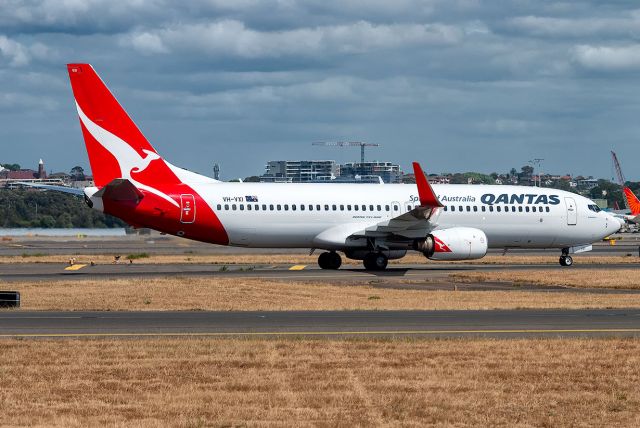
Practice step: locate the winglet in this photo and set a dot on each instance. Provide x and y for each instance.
(427, 197)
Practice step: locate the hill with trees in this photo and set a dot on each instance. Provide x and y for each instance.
(34, 208)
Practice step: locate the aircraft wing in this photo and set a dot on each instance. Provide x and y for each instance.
(63, 189)
(416, 223)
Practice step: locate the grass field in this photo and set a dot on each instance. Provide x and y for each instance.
(277, 259)
(202, 293)
(233, 382)
(596, 278)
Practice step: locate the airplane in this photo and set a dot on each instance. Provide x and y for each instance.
(633, 204)
(374, 223)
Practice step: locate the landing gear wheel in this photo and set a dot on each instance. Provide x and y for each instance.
(566, 261)
(375, 261)
(329, 260)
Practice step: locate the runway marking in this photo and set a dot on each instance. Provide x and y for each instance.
(297, 267)
(326, 333)
(75, 267)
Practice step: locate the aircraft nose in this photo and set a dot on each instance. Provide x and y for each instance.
(613, 224)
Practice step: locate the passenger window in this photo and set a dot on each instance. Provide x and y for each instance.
(395, 208)
(491, 208)
(520, 208)
(445, 207)
(409, 208)
(256, 207)
(248, 207)
(279, 207)
(355, 208)
(468, 208)
(379, 207)
(301, 207)
(286, 207)
(387, 208)
(475, 208)
(310, 207)
(513, 209)
(293, 207)
(271, 207)
(334, 207)
(341, 207)
(370, 207)
(364, 208)
(348, 207)
(264, 207)
(547, 209)
(526, 209)
(484, 209)
(219, 207)
(226, 207)
(533, 209)
(317, 207)
(326, 207)
(233, 207)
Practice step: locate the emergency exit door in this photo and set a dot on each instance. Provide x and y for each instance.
(572, 212)
(187, 209)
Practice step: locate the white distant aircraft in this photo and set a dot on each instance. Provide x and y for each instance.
(369, 222)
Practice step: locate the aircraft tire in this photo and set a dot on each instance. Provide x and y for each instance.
(375, 261)
(329, 260)
(566, 261)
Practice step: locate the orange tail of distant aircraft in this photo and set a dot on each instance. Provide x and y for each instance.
(632, 199)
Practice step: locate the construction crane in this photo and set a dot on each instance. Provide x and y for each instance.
(619, 175)
(361, 144)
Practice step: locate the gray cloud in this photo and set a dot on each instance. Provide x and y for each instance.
(459, 84)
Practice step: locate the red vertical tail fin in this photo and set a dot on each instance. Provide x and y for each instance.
(632, 201)
(115, 145)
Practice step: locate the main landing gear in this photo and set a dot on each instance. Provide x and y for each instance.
(329, 260)
(565, 258)
(375, 261)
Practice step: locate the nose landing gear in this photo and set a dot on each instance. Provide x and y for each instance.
(329, 260)
(565, 258)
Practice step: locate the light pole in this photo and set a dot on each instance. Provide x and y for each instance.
(536, 162)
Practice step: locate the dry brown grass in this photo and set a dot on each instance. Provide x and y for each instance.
(592, 278)
(200, 293)
(233, 382)
(277, 259)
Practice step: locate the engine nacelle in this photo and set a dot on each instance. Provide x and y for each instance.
(456, 243)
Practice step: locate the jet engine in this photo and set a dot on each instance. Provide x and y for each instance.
(456, 243)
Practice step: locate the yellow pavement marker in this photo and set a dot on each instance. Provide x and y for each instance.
(75, 267)
(297, 267)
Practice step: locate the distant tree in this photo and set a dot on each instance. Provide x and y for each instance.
(609, 191)
(77, 173)
(252, 179)
(494, 175)
(458, 178)
(527, 170)
(11, 166)
(513, 172)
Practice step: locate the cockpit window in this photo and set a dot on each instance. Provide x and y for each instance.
(594, 208)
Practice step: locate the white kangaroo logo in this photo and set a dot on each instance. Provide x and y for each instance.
(128, 159)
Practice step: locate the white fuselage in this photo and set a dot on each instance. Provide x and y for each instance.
(294, 215)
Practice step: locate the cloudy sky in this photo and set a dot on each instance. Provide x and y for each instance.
(457, 84)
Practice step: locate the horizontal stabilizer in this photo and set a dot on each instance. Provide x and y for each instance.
(63, 189)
